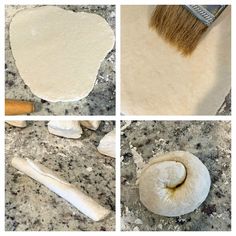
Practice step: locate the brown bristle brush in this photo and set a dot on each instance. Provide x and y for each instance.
(184, 25)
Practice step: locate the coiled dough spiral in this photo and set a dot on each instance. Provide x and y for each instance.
(174, 184)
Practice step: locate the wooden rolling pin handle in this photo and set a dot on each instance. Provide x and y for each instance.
(17, 107)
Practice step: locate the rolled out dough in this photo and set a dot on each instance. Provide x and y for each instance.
(157, 80)
(58, 52)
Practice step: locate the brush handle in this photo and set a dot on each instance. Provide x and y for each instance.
(207, 14)
(17, 107)
(214, 9)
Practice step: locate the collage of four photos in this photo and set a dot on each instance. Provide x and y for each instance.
(79, 123)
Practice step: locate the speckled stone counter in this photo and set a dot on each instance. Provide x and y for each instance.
(225, 108)
(208, 140)
(31, 206)
(101, 101)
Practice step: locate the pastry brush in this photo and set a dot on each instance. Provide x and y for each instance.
(184, 25)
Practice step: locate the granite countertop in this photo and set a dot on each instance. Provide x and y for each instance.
(101, 101)
(225, 108)
(31, 206)
(208, 140)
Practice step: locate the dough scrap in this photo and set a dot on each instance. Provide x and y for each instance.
(90, 124)
(17, 123)
(107, 145)
(157, 80)
(58, 52)
(65, 128)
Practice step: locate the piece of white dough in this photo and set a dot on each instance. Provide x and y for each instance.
(174, 184)
(47, 177)
(107, 145)
(58, 52)
(65, 128)
(157, 80)
(17, 123)
(90, 124)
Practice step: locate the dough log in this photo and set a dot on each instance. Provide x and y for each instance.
(65, 190)
(174, 184)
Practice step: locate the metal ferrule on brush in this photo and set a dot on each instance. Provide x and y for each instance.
(206, 13)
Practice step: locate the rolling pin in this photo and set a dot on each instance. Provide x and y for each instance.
(17, 107)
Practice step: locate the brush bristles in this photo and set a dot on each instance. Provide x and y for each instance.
(178, 26)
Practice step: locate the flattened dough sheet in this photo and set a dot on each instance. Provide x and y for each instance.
(157, 80)
(58, 52)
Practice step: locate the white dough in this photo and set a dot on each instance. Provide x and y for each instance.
(17, 123)
(65, 128)
(90, 124)
(73, 195)
(174, 184)
(157, 80)
(58, 52)
(107, 145)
